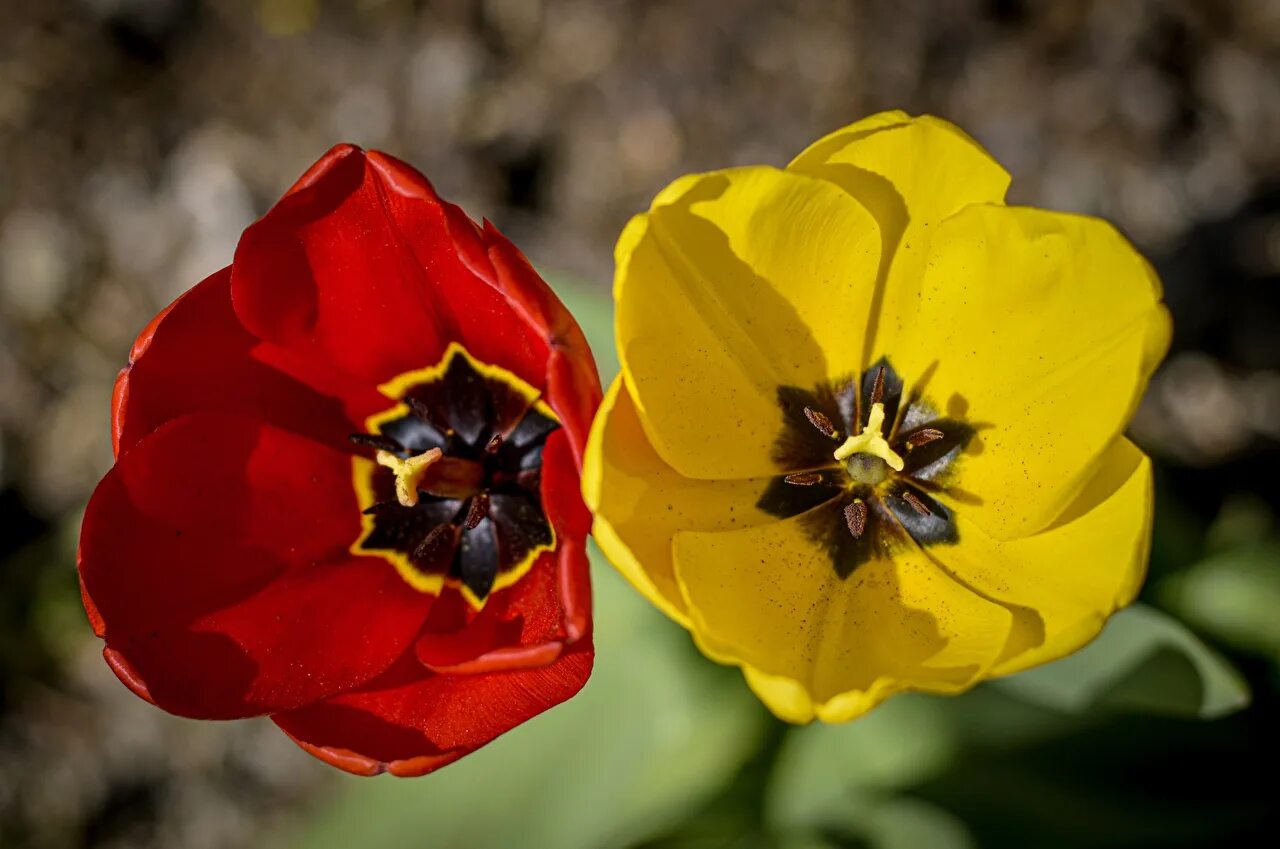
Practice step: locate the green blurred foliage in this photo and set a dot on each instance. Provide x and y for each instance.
(1233, 593)
(1142, 661)
(593, 309)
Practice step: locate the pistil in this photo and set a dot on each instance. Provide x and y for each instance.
(409, 472)
(868, 445)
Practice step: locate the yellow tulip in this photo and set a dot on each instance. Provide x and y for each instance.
(868, 435)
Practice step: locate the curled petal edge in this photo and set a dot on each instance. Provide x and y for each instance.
(363, 765)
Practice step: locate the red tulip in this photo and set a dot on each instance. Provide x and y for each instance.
(346, 488)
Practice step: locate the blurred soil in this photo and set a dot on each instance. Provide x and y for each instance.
(138, 137)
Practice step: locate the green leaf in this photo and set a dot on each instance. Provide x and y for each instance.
(1233, 596)
(839, 785)
(855, 773)
(896, 823)
(820, 767)
(1145, 662)
(654, 733)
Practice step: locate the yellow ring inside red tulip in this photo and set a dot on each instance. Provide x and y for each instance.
(452, 498)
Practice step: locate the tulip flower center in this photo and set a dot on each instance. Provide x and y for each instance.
(453, 496)
(861, 466)
(867, 456)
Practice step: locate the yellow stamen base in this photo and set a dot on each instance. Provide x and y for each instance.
(871, 441)
(409, 473)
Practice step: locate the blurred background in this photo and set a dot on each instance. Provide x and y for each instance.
(139, 137)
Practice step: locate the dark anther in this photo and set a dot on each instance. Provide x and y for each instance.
(916, 504)
(429, 541)
(376, 440)
(877, 391)
(529, 479)
(381, 505)
(924, 437)
(803, 478)
(494, 443)
(820, 421)
(477, 511)
(855, 516)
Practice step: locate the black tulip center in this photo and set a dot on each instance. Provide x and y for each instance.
(478, 518)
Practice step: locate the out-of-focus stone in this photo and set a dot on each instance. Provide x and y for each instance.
(38, 256)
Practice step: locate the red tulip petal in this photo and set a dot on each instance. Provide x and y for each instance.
(197, 357)
(325, 273)
(91, 610)
(462, 634)
(519, 627)
(409, 723)
(573, 383)
(321, 166)
(574, 576)
(562, 500)
(357, 764)
(544, 614)
(560, 489)
(216, 555)
(359, 267)
(478, 315)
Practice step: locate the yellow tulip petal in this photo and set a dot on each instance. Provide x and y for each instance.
(640, 502)
(791, 702)
(767, 598)
(822, 149)
(728, 288)
(1074, 574)
(1040, 329)
(907, 170)
(911, 173)
(786, 697)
